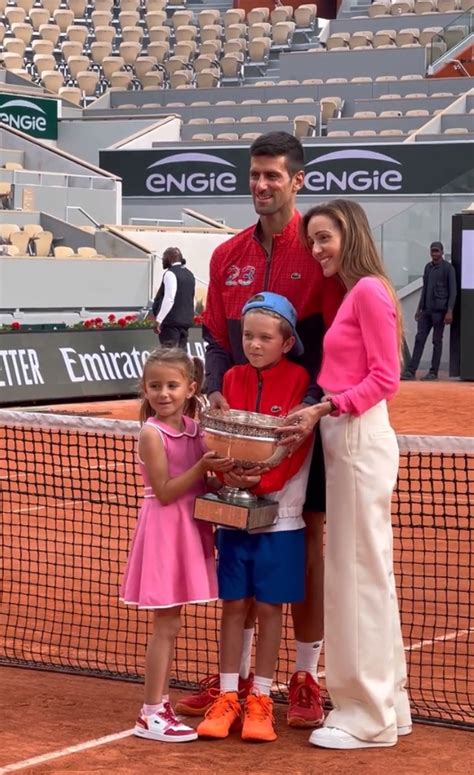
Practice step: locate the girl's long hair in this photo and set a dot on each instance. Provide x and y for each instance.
(359, 254)
(192, 369)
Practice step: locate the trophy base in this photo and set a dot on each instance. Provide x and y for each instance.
(211, 508)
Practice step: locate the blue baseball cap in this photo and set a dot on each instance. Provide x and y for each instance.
(273, 302)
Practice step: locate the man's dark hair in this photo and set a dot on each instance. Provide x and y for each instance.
(173, 255)
(280, 144)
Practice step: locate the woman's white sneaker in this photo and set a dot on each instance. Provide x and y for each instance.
(331, 737)
(164, 726)
(404, 730)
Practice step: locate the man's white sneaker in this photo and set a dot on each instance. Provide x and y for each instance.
(164, 726)
(331, 737)
(405, 730)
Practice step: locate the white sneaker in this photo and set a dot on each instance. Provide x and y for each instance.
(164, 726)
(331, 737)
(405, 730)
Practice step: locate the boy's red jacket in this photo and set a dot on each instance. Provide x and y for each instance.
(274, 391)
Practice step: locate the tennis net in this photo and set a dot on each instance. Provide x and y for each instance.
(70, 496)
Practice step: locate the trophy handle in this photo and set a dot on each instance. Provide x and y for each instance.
(277, 457)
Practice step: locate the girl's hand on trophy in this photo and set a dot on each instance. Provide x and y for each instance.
(218, 464)
(242, 481)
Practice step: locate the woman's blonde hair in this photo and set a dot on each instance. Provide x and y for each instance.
(359, 254)
(191, 368)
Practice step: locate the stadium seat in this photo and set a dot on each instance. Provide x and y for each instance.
(280, 14)
(304, 126)
(62, 251)
(258, 15)
(70, 93)
(234, 16)
(209, 16)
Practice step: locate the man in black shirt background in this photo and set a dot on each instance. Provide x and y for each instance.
(435, 310)
(173, 306)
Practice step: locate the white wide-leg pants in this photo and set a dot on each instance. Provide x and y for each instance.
(364, 655)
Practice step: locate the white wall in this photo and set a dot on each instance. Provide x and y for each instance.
(196, 246)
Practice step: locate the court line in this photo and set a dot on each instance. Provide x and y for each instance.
(40, 508)
(419, 645)
(449, 636)
(71, 749)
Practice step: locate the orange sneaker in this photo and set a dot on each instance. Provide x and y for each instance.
(197, 704)
(224, 712)
(258, 719)
(305, 707)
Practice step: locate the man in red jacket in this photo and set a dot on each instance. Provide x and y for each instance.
(269, 256)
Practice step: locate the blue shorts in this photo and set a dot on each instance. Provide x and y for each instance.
(267, 566)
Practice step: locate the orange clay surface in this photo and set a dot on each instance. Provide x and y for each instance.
(45, 712)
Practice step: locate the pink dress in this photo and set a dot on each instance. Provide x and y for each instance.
(172, 559)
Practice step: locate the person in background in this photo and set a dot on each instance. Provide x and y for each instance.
(173, 306)
(266, 564)
(364, 655)
(435, 310)
(269, 256)
(171, 560)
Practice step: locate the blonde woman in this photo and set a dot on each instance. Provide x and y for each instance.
(364, 655)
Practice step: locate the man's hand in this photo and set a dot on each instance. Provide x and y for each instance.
(217, 401)
(157, 327)
(448, 318)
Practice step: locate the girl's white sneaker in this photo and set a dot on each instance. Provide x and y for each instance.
(164, 726)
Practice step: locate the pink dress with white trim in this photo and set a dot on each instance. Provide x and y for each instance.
(172, 557)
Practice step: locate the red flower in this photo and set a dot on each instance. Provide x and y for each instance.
(88, 323)
(198, 320)
(111, 318)
(128, 318)
(98, 321)
(16, 325)
(122, 322)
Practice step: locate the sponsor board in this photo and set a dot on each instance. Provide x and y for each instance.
(60, 365)
(330, 170)
(32, 115)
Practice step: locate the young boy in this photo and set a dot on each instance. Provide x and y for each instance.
(267, 564)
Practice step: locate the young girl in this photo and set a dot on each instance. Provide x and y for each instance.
(171, 561)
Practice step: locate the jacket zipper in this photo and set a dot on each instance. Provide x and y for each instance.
(268, 264)
(259, 391)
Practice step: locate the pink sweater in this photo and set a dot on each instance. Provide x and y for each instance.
(361, 364)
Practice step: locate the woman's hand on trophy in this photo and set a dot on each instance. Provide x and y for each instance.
(211, 462)
(241, 480)
(300, 424)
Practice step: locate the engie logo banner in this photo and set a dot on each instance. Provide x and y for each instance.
(34, 116)
(334, 170)
(77, 364)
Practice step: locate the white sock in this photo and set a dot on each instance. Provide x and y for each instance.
(307, 657)
(246, 652)
(150, 710)
(262, 685)
(229, 682)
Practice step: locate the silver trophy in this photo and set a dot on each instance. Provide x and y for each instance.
(251, 440)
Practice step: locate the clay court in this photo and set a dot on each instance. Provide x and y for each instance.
(55, 722)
